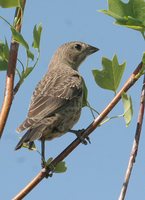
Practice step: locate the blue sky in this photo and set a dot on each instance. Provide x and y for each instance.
(95, 171)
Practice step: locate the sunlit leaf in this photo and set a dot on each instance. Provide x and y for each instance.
(31, 147)
(9, 3)
(85, 94)
(4, 54)
(49, 161)
(36, 36)
(143, 67)
(30, 54)
(27, 71)
(131, 14)
(3, 65)
(143, 58)
(60, 167)
(4, 50)
(19, 38)
(128, 109)
(110, 76)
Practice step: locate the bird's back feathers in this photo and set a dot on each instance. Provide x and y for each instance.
(52, 93)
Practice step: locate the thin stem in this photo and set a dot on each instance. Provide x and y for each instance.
(18, 73)
(16, 88)
(5, 21)
(38, 57)
(42, 174)
(109, 118)
(91, 109)
(19, 83)
(8, 95)
(135, 145)
(23, 68)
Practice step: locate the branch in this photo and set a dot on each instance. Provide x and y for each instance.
(135, 145)
(8, 94)
(44, 172)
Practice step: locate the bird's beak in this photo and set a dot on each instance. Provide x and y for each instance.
(92, 49)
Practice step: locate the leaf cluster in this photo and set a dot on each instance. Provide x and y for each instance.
(130, 15)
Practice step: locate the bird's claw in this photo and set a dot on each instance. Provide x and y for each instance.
(43, 163)
(78, 133)
(50, 169)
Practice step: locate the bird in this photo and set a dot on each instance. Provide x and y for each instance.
(56, 102)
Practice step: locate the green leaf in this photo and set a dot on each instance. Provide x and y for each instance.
(4, 51)
(36, 36)
(128, 109)
(30, 55)
(60, 167)
(4, 54)
(110, 76)
(85, 94)
(142, 71)
(19, 38)
(3, 65)
(27, 146)
(143, 67)
(49, 161)
(143, 58)
(131, 14)
(27, 71)
(9, 3)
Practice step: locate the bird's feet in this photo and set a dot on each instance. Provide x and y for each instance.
(78, 133)
(31, 145)
(47, 167)
(43, 162)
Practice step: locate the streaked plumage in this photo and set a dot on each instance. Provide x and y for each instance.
(57, 100)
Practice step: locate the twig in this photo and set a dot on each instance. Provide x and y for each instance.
(8, 95)
(44, 172)
(17, 86)
(135, 144)
(21, 80)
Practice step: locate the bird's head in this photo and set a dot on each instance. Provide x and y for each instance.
(74, 53)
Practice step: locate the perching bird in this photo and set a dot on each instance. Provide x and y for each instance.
(57, 99)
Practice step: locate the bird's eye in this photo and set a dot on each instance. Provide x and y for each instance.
(78, 47)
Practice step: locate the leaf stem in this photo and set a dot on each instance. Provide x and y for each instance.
(5, 21)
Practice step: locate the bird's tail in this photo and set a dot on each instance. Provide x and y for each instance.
(26, 124)
(30, 136)
(24, 139)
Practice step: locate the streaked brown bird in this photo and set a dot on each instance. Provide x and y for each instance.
(57, 99)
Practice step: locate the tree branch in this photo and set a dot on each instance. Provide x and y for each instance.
(8, 94)
(44, 172)
(135, 145)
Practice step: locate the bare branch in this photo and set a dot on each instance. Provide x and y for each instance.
(135, 144)
(44, 172)
(8, 95)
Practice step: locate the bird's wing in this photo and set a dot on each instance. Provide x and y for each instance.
(53, 98)
(52, 93)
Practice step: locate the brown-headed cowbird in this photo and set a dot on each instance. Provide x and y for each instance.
(57, 99)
